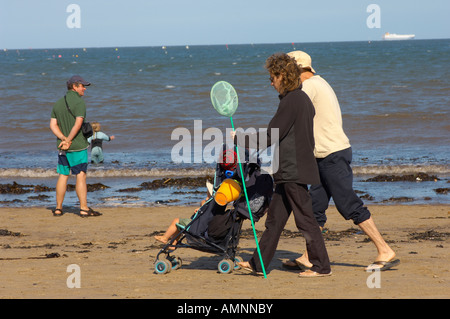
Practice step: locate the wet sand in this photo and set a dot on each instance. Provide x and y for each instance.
(115, 254)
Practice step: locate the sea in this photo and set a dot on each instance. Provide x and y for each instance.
(394, 98)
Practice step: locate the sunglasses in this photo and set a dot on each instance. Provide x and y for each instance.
(272, 78)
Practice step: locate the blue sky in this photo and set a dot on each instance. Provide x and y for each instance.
(117, 23)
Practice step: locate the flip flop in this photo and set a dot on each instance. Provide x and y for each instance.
(89, 213)
(294, 264)
(57, 210)
(385, 265)
(312, 274)
(246, 266)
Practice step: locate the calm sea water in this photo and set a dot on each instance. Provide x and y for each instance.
(394, 98)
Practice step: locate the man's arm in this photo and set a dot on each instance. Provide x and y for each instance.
(65, 141)
(56, 130)
(54, 127)
(76, 127)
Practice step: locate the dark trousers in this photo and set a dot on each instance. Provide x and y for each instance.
(336, 177)
(286, 198)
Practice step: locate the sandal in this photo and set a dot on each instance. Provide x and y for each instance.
(294, 264)
(57, 214)
(312, 274)
(383, 265)
(245, 265)
(89, 213)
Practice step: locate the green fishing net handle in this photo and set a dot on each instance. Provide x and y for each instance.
(225, 101)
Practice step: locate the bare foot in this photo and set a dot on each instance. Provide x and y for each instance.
(303, 260)
(161, 239)
(386, 256)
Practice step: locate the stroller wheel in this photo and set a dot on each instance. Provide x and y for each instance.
(225, 266)
(162, 267)
(176, 263)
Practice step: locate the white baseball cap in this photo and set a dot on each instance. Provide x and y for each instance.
(302, 58)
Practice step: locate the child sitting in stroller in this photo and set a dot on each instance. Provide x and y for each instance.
(216, 225)
(228, 164)
(177, 223)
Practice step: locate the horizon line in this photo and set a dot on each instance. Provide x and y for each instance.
(218, 44)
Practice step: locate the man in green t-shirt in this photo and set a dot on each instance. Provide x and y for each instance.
(72, 144)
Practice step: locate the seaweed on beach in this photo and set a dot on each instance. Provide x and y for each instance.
(18, 189)
(327, 234)
(402, 199)
(338, 235)
(189, 182)
(5, 232)
(130, 190)
(442, 191)
(15, 188)
(419, 177)
(39, 197)
(429, 235)
(90, 187)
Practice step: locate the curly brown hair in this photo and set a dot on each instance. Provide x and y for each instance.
(282, 64)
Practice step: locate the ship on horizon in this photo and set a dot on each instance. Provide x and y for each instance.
(394, 36)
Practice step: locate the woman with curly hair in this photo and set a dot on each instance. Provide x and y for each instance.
(297, 168)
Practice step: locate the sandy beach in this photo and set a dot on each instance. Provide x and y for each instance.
(115, 255)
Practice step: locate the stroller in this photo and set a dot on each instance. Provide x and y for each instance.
(215, 228)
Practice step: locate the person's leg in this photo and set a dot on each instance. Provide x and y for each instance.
(78, 164)
(336, 178)
(95, 155)
(171, 231)
(61, 187)
(277, 216)
(339, 179)
(100, 155)
(63, 169)
(385, 253)
(337, 175)
(81, 190)
(320, 200)
(301, 204)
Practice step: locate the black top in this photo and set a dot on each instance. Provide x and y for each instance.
(294, 122)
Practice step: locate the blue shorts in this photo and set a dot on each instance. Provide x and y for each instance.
(72, 161)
